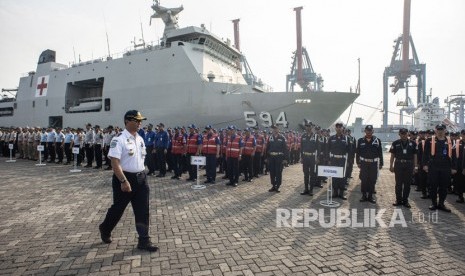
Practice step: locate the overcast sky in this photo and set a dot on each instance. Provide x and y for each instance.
(335, 33)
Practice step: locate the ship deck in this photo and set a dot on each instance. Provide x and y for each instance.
(49, 226)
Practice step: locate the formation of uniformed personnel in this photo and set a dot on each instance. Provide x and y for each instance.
(403, 163)
(127, 153)
(369, 158)
(439, 163)
(276, 156)
(338, 151)
(310, 148)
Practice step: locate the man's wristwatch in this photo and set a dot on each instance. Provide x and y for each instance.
(123, 180)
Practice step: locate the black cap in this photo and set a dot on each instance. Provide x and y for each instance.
(430, 131)
(368, 127)
(441, 127)
(134, 114)
(192, 126)
(208, 127)
(231, 127)
(161, 125)
(403, 130)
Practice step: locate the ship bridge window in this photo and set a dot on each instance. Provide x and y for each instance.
(202, 40)
(6, 111)
(84, 96)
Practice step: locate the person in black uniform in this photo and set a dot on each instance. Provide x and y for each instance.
(277, 154)
(310, 148)
(403, 164)
(338, 149)
(351, 156)
(369, 158)
(459, 179)
(439, 162)
(127, 153)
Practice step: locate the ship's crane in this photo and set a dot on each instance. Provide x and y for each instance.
(302, 72)
(402, 68)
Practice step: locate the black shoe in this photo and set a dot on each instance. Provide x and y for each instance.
(106, 238)
(443, 208)
(433, 207)
(97, 167)
(224, 177)
(174, 177)
(310, 193)
(88, 166)
(363, 199)
(148, 246)
(277, 190)
(304, 193)
(160, 175)
(417, 190)
(207, 181)
(271, 190)
(397, 203)
(343, 197)
(460, 200)
(407, 205)
(245, 179)
(371, 200)
(374, 192)
(108, 168)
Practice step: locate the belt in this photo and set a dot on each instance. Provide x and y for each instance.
(337, 156)
(276, 153)
(369, 160)
(134, 174)
(309, 153)
(404, 160)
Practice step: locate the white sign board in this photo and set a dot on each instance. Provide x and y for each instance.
(198, 160)
(40, 148)
(75, 150)
(10, 146)
(330, 171)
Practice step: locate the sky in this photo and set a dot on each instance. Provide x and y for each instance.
(335, 33)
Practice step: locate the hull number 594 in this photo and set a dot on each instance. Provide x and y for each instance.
(264, 119)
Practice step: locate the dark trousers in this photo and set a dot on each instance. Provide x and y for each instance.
(161, 159)
(423, 181)
(106, 149)
(51, 151)
(98, 155)
(210, 166)
(45, 150)
(222, 164)
(459, 183)
(150, 160)
(403, 173)
(89, 154)
(191, 168)
(275, 165)
(139, 198)
(79, 156)
(59, 150)
(310, 176)
(257, 164)
(233, 169)
(68, 152)
(247, 166)
(439, 180)
(338, 182)
(350, 167)
(169, 160)
(368, 176)
(177, 164)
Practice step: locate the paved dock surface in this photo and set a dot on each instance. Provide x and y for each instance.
(49, 226)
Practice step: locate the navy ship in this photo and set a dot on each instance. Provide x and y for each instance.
(190, 76)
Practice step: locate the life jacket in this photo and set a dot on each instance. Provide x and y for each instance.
(209, 144)
(433, 146)
(260, 143)
(192, 143)
(178, 144)
(248, 147)
(233, 148)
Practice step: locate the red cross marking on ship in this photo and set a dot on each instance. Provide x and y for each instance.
(42, 86)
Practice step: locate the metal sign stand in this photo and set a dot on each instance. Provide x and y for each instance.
(198, 160)
(329, 196)
(10, 146)
(75, 151)
(330, 172)
(40, 149)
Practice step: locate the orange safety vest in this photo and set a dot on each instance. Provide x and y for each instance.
(192, 143)
(433, 146)
(233, 148)
(209, 144)
(260, 143)
(248, 147)
(457, 148)
(178, 144)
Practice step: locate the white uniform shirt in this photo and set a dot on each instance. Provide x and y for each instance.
(129, 150)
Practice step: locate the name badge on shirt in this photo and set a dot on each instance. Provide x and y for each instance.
(404, 151)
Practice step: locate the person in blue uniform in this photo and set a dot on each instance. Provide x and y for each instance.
(338, 150)
(369, 158)
(403, 164)
(127, 153)
(276, 155)
(161, 148)
(150, 143)
(439, 163)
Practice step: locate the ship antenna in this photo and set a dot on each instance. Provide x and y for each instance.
(74, 51)
(106, 33)
(142, 31)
